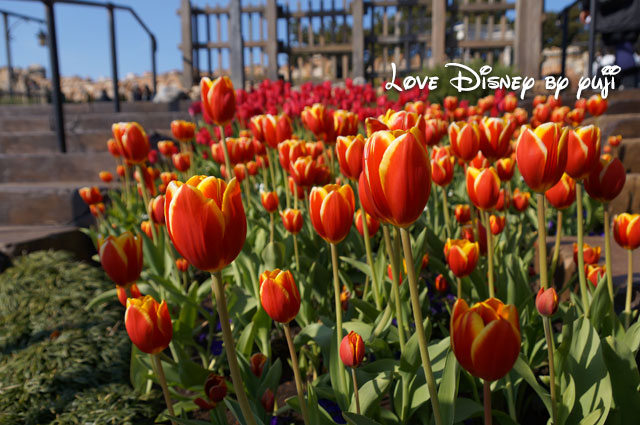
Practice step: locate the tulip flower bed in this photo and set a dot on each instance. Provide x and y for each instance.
(241, 266)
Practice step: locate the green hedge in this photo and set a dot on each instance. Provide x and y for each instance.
(60, 363)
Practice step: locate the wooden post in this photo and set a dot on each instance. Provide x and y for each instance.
(236, 51)
(438, 22)
(186, 46)
(528, 43)
(357, 39)
(272, 39)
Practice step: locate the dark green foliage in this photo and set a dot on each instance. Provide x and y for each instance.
(58, 362)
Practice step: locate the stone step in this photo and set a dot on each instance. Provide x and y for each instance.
(629, 199)
(627, 125)
(44, 203)
(102, 121)
(18, 240)
(69, 167)
(76, 140)
(25, 123)
(629, 154)
(95, 107)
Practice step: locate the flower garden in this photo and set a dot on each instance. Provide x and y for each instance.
(328, 255)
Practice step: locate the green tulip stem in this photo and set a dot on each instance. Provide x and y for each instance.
(145, 199)
(580, 236)
(229, 346)
(552, 375)
(510, 402)
(542, 242)
(295, 194)
(126, 189)
(487, 223)
(445, 208)
(272, 173)
(272, 227)
(227, 161)
(367, 246)
(556, 247)
(395, 286)
(355, 389)
(296, 374)
(627, 304)
(295, 252)
(487, 403)
(459, 284)
(336, 290)
(417, 316)
(162, 380)
(607, 253)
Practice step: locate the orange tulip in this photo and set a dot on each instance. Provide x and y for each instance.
(372, 224)
(521, 200)
(292, 220)
(442, 164)
(419, 107)
(271, 129)
(542, 155)
(145, 226)
(462, 256)
(395, 120)
(206, 221)
(120, 170)
(331, 210)
(257, 362)
(279, 295)
(397, 176)
(462, 213)
(97, 210)
(183, 131)
(112, 146)
(289, 150)
(496, 224)
(563, 194)
(495, 137)
(182, 161)
(465, 140)
(575, 116)
(503, 201)
(594, 273)
(483, 187)
(90, 195)
(182, 265)
(122, 293)
(547, 301)
(349, 150)
(560, 114)
(539, 99)
(606, 179)
(320, 122)
(294, 189)
(106, 176)
(591, 253)
(167, 177)
(167, 148)
(269, 201)
(148, 324)
(505, 168)
(542, 113)
(510, 102)
(304, 170)
(614, 140)
(218, 99)
(450, 103)
(148, 175)
(345, 123)
(441, 283)
(156, 209)
(132, 142)
(583, 151)
(121, 257)
(479, 161)
(486, 337)
(352, 350)
(596, 105)
(345, 296)
(252, 168)
(626, 230)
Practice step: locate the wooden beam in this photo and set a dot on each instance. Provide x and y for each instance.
(272, 39)
(236, 51)
(338, 48)
(357, 37)
(438, 22)
(487, 7)
(186, 46)
(528, 40)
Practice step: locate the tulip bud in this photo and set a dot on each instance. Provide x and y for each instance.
(145, 226)
(483, 187)
(462, 213)
(156, 209)
(596, 105)
(148, 324)
(626, 230)
(331, 210)
(269, 201)
(372, 224)
(257, 362)
(425, 261)
(547, 301)
(218, 99)
(441, 284)
(521, 200)
(182, 265)
(465, 140)
(90, 195)
(132, 142)
(292, 220)
(352, 350)
(606, 180)
(583, 151)
(542, 155)
(497, 224)
(442, 166)
(121, 257)
(349, 150)
(505, 168)
(614, 140)
(462, 256)
(268, 400)
(594, 273)
(279, 295)
(120, 170)
(97, 210)
(345, 296)
(182, 161)
(591, 253)
(106, 176)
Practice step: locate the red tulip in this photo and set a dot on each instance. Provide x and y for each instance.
(496, 224)
(462, 213)
(520, 200)
(349, 150)
(132, 142)
(563, 194)
(547, 301)
(462, 256)
(372, 224)
(591, 254)
(218, 99)
(596, 105)
(352, 350)
(331, 210)
(542, 155)
(292, 220)
(626, 230)
(606, 179)
(583, 151)
(182, 161)
(121, 257)
(465, 140)
(156, 209)
(122, 293)
(495, 137)
(269, 201)
(148, 324)
(289, 151)
(442, 166)
(257, 362)
(279, 295)
(594, 273)
(90, 195)
(183, 131)
(483, 187)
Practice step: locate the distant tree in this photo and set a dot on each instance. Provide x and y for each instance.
(552, 29)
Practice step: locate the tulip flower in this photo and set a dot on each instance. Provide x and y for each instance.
(183, 131)
(626, 230)
(349, 150)
(542, 113)
(97, 210)
(112, 146)
(575, 116)
(483, 187)
(559, 115)
(462, 256)
(614, 140)
(520, 200)
(503, 201)
(121, 257)
(352, 350)
(106, 176)
(218, 99)
(434, 129)
(442, 166)
(495, 137)
(279, 295)
(594, 273)
(331, 210)
(505, 168)
(269, 201)
(596, 105)
(397, 176)
(289, 150)
(148, 324)
(292, 220)
(134, 291)
(606, 180)
(345, 123)
(583, 151)
(547, 301)
(215, 388)
(268, 400)
(182, 161)
(182, 265)
(257, 362)
(496, 223)
(145, 226)
(462, 213)
(206, 221)
(372, 224)
(542, 156)
(563, 194)
(479, 161)
(156, 209)
(132, 142)
(465, 140)
(304, 171)
(395, 120)
(167, 148)
(271, 129)
(90, 195)
(168, 177)
(450, 103)
(441, 284)
(486, 337)
(591, 254)
(320, 122)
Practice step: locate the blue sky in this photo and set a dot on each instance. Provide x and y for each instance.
(83, 36)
